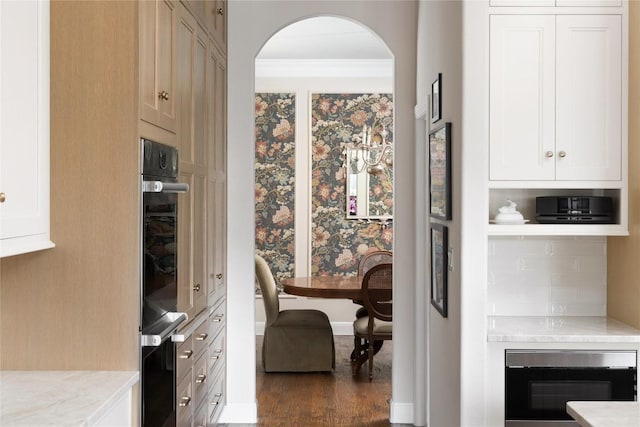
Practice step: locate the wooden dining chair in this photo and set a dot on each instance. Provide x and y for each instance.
(377, 297)
(294, 340)
(374, 258)
(370, 259)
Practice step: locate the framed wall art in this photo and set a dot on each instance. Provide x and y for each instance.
(439, 264)
(440, 172)
(436, 99)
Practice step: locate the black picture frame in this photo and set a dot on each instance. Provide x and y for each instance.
(436, 99)
(440, 172)
(439, 267)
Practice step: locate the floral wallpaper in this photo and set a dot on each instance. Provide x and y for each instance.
(274, 181)
(337, 244)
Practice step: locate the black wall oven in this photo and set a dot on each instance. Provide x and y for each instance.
(539, 383)
(159, 316)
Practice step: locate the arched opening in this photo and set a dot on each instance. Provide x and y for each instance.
(322, 84)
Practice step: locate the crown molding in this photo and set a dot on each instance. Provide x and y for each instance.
(324, 68)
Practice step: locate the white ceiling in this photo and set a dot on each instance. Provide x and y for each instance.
(324, 38)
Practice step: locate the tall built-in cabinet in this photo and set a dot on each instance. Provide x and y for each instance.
(557, 108)
(24, 127)
(183, 104)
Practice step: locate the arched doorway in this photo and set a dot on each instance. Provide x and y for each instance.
(319, 82)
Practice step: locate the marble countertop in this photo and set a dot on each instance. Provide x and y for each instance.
(60, 398)
(587, 329)
(605, 414)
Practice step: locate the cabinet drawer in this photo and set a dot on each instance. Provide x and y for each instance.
(200, 380)
(216, 354)
(201, 339)
(184, 358)
(184, 398)
(200, 419)
(216, 399)
(217, 319)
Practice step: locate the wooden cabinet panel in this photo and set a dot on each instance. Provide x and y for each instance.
(158, 63)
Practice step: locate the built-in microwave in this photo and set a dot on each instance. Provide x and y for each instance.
(539, 383)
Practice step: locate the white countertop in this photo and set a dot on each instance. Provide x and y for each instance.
(605, 414)
(60, 398)
(588, 329)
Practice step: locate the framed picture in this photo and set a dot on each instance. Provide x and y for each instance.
(440, 172)
(439, 264)
(436, 99)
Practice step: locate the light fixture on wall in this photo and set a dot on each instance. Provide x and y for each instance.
(372, 153)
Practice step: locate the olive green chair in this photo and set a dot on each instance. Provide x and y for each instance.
(294, 340)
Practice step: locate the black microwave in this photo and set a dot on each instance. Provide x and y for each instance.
(539, 383)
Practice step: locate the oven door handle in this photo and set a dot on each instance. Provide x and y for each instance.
(155, 340)
(164, 187)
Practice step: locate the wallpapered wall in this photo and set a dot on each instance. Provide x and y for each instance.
(274, 181)
(337, 244)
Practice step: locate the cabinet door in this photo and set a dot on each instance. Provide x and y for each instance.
(219, 20)
(522, 97)
(589, 97)
(24, 127)
(157, 63)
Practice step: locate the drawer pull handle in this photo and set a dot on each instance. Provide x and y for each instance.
(202, 337)
(186, 354)
(216, 354)
(184, 401)
(201, 378)
(218, 317)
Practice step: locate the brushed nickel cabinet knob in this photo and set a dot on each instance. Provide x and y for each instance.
(562, 154)
(220, 11)
(219, 276)
(549, 154)
(3, 197)
(164, 95)
(196, 288)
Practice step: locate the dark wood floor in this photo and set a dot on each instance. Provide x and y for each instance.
(326, 399)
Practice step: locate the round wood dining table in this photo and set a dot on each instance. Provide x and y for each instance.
(347, 287)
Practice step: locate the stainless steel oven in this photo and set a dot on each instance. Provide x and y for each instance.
(159, 295)
(539, 383)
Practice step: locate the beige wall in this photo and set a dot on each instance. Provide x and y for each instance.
(76, 306)
(623, 266)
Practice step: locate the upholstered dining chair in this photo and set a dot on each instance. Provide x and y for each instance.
(294, 340)
(377, 297)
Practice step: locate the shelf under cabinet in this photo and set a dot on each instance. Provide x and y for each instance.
(557, 230)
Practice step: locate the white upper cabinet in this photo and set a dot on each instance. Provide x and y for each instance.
(522, 97)
(556, 98)
(589, 97)
(24, 127)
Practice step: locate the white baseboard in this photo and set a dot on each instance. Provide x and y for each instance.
(401, 413)
(239, 413)
(339, 328)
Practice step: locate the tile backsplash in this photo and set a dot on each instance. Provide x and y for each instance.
(547, 276)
